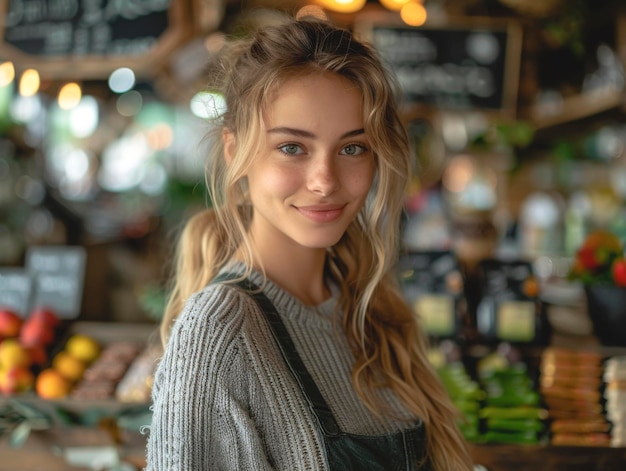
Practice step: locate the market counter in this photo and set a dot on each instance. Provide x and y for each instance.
(549, 458)
(74, 448)
(57, 449)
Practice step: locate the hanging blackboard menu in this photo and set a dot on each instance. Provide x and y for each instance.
(16, 286)
(94, 37)
(472, 66)
(59, 278)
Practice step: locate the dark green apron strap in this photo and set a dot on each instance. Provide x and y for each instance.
(290, 354)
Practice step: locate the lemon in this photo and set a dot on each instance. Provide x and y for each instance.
(12, 353)
(70, 367)
(83, 347)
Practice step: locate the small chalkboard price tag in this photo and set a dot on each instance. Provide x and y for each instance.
(432, 284)
(510, 309)
(59, 278)
(16, 288)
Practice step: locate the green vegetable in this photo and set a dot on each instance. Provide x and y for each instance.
(522, 438)
(521, 425)
(524, 412)
(528, 398)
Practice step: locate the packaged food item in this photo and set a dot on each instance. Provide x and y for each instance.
(615, 395)
(513, 413)
(136, 385)
(466, 395)
(571, 387)
(101, 378)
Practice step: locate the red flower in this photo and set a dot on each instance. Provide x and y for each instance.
(619, 271)
(600, 259)
(588, 257)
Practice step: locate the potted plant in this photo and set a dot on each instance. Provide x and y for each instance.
(600, 265)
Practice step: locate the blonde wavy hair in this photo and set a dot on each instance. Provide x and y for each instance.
(390, 350)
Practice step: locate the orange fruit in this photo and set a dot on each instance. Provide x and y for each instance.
(50, 384)
(70, 367)
(83, 347)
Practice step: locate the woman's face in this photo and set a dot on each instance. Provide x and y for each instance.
(312, 176)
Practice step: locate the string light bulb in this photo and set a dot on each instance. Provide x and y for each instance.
(7, 73)
(394, 5)
(342, 6)
(29, 83)
(69, 96)
(414, 14)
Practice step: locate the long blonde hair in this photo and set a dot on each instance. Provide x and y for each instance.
(390, 350)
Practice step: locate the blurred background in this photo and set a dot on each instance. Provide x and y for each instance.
(516, 111)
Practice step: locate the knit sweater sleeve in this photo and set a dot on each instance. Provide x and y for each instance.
(201, 417)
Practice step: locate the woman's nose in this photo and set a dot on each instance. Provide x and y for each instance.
(323, 178)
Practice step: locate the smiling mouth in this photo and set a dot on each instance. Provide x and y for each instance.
(321, 213)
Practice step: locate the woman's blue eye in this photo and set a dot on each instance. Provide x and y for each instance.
(353, 149)
(291, 149)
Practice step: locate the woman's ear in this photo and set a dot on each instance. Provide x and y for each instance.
(228, 139)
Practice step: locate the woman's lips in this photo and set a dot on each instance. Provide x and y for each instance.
(327, 213)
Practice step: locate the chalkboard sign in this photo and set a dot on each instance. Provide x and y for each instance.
(59, 278)
(458, 67)
(96, 36)
(16, 287)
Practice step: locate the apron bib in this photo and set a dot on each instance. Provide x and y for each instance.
(399, 451)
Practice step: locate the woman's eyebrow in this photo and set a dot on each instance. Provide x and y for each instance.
(303, 133)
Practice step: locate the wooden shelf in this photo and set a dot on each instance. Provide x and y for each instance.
(574, 108)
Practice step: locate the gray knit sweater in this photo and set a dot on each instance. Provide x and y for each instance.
(224, 400)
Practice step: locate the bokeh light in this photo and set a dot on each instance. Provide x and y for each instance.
(121, 80)
(29, 83)
(69, 96)
(414, 14)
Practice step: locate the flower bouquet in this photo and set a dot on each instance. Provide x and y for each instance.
(600, 265)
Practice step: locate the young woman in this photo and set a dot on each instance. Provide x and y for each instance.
(288, 343)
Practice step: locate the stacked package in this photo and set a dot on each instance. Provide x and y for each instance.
(466, 396)
(615, 395)
(512, 413)
(103, 375)
(571, 387)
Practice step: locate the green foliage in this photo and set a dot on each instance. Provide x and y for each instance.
(18, 419)
(153, 299)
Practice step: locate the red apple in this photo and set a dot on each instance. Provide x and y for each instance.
(35, 332)
(46, 315)
(10, 323)
(38, 355)
(16, 380)
(619, 271)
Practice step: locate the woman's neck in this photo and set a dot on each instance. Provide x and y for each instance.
(299, 272)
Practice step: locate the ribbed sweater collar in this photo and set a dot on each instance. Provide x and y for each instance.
(287, 304)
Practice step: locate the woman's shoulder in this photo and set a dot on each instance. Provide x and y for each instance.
(218, 304)
(214, 322)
